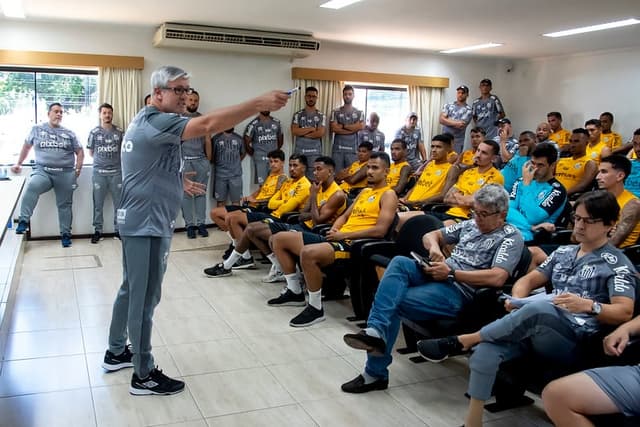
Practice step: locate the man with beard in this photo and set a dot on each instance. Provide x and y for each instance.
(372, 134)
(410, 133)
(197, 155)
(456, 116)
(262, 135)
(346, 121)
(308, 127)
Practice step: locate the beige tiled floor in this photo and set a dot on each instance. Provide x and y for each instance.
(243, 364)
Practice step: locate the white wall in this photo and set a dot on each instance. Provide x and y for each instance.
(579, 86)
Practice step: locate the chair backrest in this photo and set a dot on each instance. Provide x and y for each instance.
(409, 237)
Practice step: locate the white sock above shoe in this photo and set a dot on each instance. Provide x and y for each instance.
(293, 282)
(315, 299)
(246, 254)
(372, 332)
(228, 263)
(368, 379)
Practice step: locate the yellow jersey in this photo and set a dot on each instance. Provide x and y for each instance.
(471, 181)
(569, 171)
(431, 181)
(561, 137)
(323, 197)
(611, 140)
(467, 157)
(355, 167)
(366, 210)
(291, 197)
(625, 197)
(594, 151)
(270, 186)
(394, 173)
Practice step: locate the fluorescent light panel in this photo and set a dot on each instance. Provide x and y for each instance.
(12, 8)
(591, 28)
(338, 4)
(475, 47)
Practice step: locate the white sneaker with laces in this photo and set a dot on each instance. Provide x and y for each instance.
(274, 275)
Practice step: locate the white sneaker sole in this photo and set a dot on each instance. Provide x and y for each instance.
(113, 368)
(251, 266)
(146, 392)
(313, 322)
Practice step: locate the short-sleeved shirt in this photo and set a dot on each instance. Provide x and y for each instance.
(264, 134)
(481, 251)
(512, 147)
(454, 111)
(632, 183)
(306, 120)
(106, 144)
(152, 189)
(599, 275)
(228, 149)
(471, 181)
(374, 136)
(486, 112)
(54, 147)
(412, 138)
(346, 143)
(561, 137)
(512, 170)
(193, 148)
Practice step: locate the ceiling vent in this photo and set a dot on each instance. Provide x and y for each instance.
(235, 40)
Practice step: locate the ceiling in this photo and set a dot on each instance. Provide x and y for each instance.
(430, 25)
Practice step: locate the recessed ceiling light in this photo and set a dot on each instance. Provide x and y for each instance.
(12, 8)
(338, 4)
(475, 47)
(591, 28)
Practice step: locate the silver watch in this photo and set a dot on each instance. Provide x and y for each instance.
(596, 308)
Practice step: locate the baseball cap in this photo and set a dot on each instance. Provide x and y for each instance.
(502, 122)
(487, 81)
(463, 88)
(412, 114)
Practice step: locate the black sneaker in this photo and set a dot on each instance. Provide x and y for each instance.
(191, 232)
(357, 385)
(362, 341)
(202, 230)
(227, 252)
(217, 270)
(439, 349)
(309, 316)
(155, 383)
(288, 298)
(244, 264)
(114, 362)
(97, 236)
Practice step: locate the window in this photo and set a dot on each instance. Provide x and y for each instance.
(25, 94)
(391, 104)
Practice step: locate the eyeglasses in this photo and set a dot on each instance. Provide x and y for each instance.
(483, 214)
(180, 90)
(585, 219)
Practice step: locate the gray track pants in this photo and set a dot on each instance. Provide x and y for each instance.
(103, 184)
(144, 262)
(194, 208)
(42, 180)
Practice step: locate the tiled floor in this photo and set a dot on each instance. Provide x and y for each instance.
(242, 363)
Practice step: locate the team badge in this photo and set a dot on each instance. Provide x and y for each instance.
(609, 257)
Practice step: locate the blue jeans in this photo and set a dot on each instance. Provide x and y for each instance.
(406, 291)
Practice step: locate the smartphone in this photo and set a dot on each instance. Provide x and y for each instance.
(424, 262)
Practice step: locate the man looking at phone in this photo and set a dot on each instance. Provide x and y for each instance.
(486, 253)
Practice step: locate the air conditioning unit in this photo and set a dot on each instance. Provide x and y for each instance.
(235, 40)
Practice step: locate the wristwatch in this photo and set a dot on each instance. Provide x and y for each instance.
(596, 308)
(451, 277)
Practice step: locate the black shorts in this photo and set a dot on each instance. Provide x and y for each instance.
(342, 248)
(278, 226)
(260, 216)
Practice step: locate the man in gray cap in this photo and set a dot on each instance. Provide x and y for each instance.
(456, 116)
(411, 134)
(487, 109)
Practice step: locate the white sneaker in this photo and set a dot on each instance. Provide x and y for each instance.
(274, 276)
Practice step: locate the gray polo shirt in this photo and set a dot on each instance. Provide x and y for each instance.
(53, 147)
(105, 144)
(346, 143)
(411, 137)
(263, 135)
(228, 149)
(304, 120)
(486, 112)
(152, 189)
(193, 148)
(454, 111)
(375, 137)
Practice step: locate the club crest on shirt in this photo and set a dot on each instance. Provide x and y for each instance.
(577, 165)
(371, 199)
(587, 271)
(609, 258)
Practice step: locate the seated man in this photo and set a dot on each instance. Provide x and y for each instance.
(597, 282)
(633, 180)
(537, 197)
(508, 142)
(292, 196)
(460, 195)
(434, 182)
(370, 216)
(597, 148)
(486, 253)
(512, 171)
(576, 173)
(465, 160)
(400, 169)
(612, 175)
(609, 390)
(257, 199)
(326, 202)
(355, 176)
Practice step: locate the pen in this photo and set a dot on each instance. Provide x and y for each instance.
(292, 91)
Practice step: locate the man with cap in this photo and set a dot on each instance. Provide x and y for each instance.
(487, 109)
(456, 116)
(410, 133)
(508, 143)
(372, 134)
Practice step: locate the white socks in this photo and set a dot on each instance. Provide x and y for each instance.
(315, 299)
(228, 263)
(274, 261)
(293, 282)
(246, 254)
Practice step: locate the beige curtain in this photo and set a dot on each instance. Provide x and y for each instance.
(427, 103)
(122, 89)
(329, 97)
